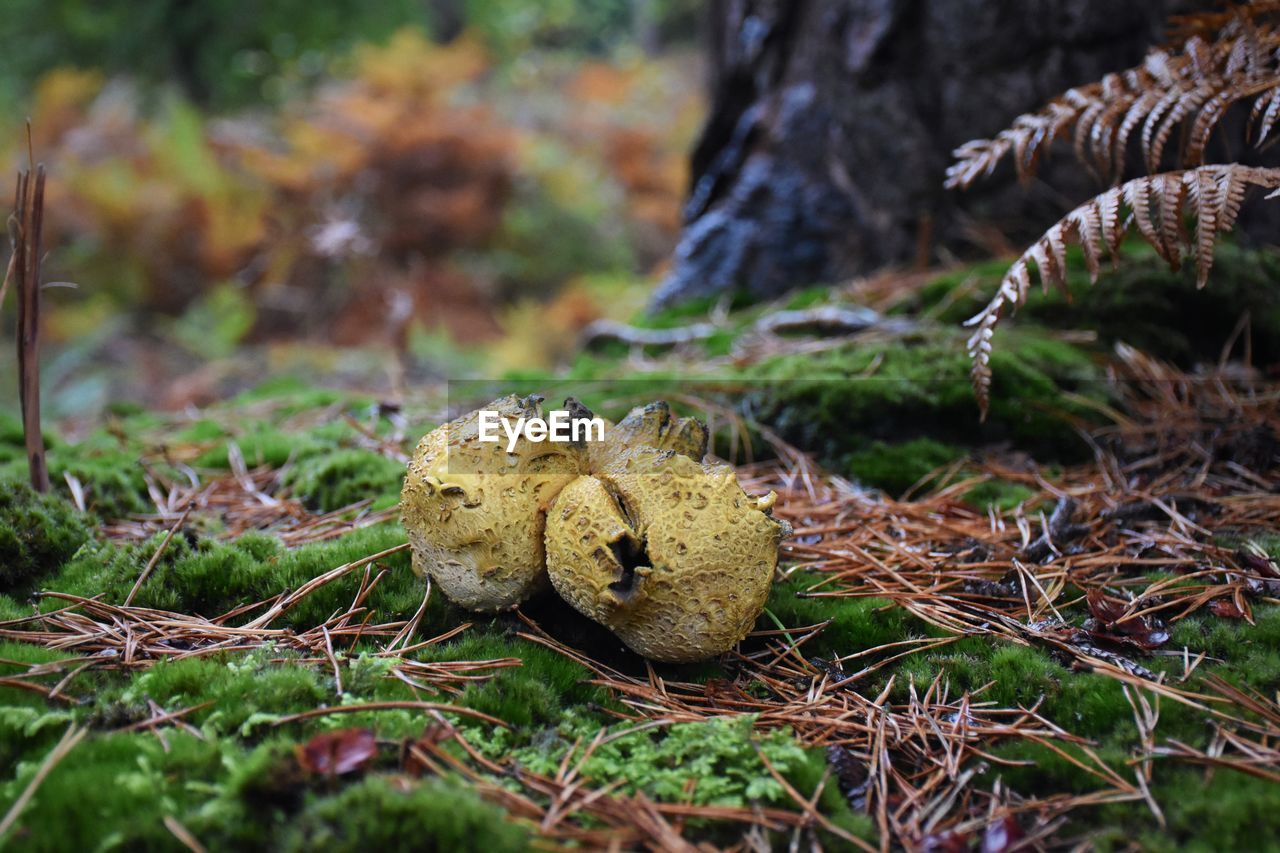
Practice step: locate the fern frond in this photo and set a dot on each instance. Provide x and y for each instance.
(1206, 24)
(1158, 205)
(1235, 60)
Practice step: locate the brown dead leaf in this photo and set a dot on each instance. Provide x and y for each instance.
(1111, 624)
(1226, 608)
(1258, 563)
(337, 753)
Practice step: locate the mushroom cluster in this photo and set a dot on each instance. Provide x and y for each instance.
(635, 531)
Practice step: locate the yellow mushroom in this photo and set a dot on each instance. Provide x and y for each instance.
(635, 531)
(650, 426)
(669, 553)
(475, 512)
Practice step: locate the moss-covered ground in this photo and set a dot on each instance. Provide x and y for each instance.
(230, 775)
(891, 414)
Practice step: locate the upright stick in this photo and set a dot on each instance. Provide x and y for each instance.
(29, 211)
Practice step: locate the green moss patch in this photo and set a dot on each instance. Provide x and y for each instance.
(439, 814)
(38, 534)
(330, 481)
(850, 404)
(1140, 302)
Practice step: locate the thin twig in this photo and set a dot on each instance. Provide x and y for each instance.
(72, 736)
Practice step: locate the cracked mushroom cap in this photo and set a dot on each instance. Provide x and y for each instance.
(670, 554)
(475, 514)
(649, 426)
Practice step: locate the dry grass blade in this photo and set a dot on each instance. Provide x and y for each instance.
(390, 706)
(155, 558)
(72, 736)
(183, 834)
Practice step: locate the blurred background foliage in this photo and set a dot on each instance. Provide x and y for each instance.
(453, 181)
(236, 53)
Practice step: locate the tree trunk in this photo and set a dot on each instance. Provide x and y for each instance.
(833, 121)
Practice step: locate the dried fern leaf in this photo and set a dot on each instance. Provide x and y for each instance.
(1172, 233)
(1188, 104)
(1235, 60)
(1206, 24)
(1266, 110)
(1211, 195)
(1137, 195)
(1205, 197)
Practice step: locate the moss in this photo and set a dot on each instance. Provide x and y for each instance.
(10, 608)
(713, 762)
(1014, 675)
(289, 394)
(1265, 541)
(689, 311)
(806, 776)
(113, 791)
(1000, 494)
(113, 482)
(1252, 652)
(853, 624)
(864, 397)
(116, 788)
(534, 694)
(1140, 302)
(243, 690)
(14, 658)
(38, 533)
(1224, 811)
(240, 787)
(261, 445)
(124, 408)
(378, 813)
(844, 400)
(210, 578)
(331, 481)
(895, 468)
(201, 431)
(809, 297)
(11, 432)
(264, 785)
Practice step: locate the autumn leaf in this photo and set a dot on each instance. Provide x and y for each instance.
(337, 753)
(1110, 624)
(1226, 608)
(1106, 610)
(1260, 564)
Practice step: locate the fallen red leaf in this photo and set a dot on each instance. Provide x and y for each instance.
(1226, 608)
(337, 753)
(1259, 564)
(1110, 624)
(1106, 610)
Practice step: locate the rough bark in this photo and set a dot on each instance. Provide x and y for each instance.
(833, 121)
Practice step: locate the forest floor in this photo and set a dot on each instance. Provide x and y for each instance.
(1058, 627)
